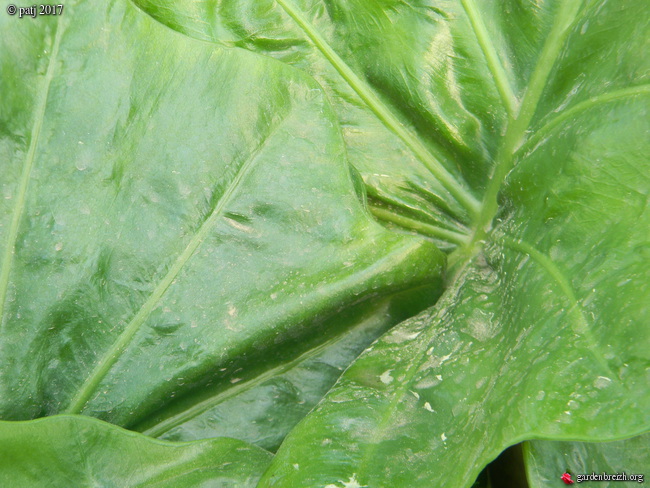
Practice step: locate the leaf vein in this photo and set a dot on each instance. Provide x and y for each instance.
(556, 273)
(390, 120)
(119, 346)
(489, 51)
(592, 102)
(21, 198)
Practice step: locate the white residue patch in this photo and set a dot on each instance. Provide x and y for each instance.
(352, 482)
(480, 325)
(386, 378)
(443, 437)
(296, 467)
(232, 311)
(399, 336)
(428, 382)
(602, 382)
(427, 406)
(235, 380)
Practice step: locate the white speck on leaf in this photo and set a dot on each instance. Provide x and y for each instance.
(602, 382)
(352, 483)
(427, 406)
(386, 378)
(400, 336)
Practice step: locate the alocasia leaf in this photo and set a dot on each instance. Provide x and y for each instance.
(73, 450)
(543, 329)
(177, 220)
(514, 132)
(548, 460)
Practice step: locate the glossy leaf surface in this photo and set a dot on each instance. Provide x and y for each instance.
(513, 132)
(71, 450)
(177, 219)
(543, 329)
(546, 461)
(408, 80)
(263, 409)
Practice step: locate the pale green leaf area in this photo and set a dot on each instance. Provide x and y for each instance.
(548, 460)
(179, 226)
(71, 450)
(187, 252)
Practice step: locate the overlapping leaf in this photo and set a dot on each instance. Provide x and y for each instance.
(177, 220)
(514, 132)
(409, 83)
(72, 450)
(537, 335)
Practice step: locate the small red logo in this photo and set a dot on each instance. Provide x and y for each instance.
(566, 477)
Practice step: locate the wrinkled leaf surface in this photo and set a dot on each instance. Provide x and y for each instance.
(176, 219)
(543, 329)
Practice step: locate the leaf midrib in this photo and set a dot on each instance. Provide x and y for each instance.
(513, 139)
(519, 123)
(19, 207)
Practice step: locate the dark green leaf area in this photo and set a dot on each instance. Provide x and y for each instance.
(70, 450)
(548, 460)
(263, 406)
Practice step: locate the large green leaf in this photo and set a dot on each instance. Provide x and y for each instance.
(513, 131)
(177, 220)
(72, 450)
(543, 329)
(547, 461)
